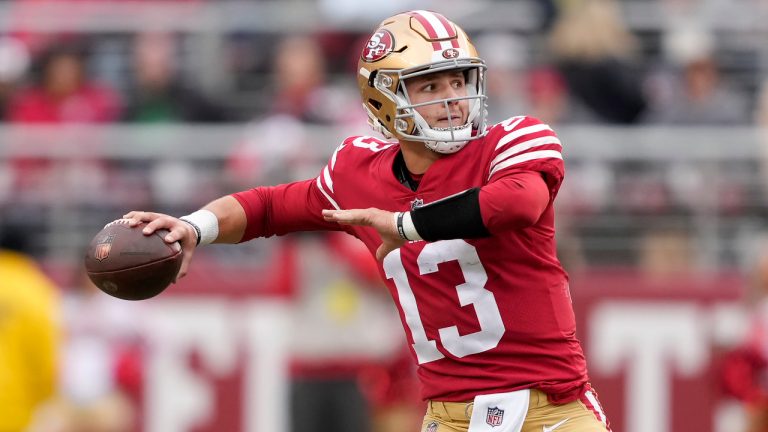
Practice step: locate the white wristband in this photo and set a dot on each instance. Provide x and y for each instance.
(206, 222)
(409, 228)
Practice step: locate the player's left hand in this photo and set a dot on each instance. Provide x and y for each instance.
(380, 220)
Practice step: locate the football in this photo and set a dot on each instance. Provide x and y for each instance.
(125, 263)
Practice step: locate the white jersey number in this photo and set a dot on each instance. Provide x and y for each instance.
(471, 292)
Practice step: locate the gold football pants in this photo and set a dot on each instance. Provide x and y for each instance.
(578, 416)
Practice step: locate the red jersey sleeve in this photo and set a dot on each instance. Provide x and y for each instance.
(526, 144)
(515, 201)
(278, 210)
(325, 179)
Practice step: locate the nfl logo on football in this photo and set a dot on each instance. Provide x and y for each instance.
(495, 416)
(102, 249)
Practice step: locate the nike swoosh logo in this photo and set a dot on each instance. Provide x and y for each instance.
(554, 426)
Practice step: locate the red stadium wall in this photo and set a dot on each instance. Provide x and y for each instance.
(213, 359)
(653, 345)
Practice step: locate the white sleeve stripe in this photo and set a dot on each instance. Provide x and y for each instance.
(523, 146)
(520, 132)
(541, 154)
(333, 203)
(328, 179)
(333, 157)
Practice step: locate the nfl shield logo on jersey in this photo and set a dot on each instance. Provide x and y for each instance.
(418, 202)
(432, 427)
(495, 416)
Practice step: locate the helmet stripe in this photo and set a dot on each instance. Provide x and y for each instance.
(437, 27)
(428, 27)
(446, 24)
(449, 28)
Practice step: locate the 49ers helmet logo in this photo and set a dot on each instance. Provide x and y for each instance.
(451, 53)
(379, 46)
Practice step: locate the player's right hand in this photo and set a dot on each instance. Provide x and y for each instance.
(381, 220)
(179, 231)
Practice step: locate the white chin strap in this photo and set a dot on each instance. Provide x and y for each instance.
(446, 141)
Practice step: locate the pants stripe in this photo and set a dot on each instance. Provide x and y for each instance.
(590, 401)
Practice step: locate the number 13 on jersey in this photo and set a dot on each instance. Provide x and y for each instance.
(471, 292)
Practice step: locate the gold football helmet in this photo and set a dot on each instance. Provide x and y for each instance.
(411, 44)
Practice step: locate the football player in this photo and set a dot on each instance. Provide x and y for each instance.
(459, 215)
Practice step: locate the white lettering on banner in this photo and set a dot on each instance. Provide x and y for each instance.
(266, 380)
(729, 323)
(178, 399)
(647, 342)
(648, 337)
(730, 415)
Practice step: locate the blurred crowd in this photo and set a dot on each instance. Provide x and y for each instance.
(579, 65)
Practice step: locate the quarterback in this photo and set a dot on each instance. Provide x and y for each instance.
(459, 215)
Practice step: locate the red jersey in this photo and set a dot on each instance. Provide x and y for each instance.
(482, 316)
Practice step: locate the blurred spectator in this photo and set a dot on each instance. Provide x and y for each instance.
(63, 93)
(302, 97)
(548, 96)
(761, 121)
(29, 333)
(515, 87)
(666, 251)
(14, 61)
(159, 94)
(548, 12)
(693, 92)
(507, 60)
(299, 76)
(301, 87)
(744, 372)
(594, 52)
(253, 160)
(761, 111)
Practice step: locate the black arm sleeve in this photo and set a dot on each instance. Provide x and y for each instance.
(457, 216)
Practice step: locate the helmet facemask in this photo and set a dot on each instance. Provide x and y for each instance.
(410, 125)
